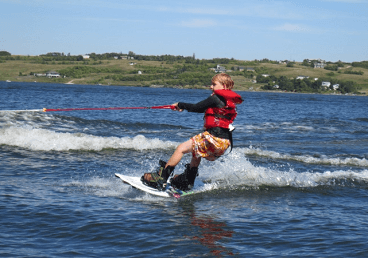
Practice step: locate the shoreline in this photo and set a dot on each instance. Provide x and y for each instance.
(145, 73)
(71, 82)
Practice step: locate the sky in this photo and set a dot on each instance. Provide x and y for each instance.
(241, 29)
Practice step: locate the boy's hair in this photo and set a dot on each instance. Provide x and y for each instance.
(224, 79)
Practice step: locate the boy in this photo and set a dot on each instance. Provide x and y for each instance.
(220, 113)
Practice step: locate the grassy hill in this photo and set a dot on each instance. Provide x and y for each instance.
(178, 73)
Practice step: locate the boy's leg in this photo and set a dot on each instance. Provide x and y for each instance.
(185, 181)
(204, 145)
(182, 149)
(157, 179)
(194, 163)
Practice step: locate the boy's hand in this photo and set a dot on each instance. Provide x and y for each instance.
(176, 107)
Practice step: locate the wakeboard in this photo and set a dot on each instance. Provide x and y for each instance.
(169, 191)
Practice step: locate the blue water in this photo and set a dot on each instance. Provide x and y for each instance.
(295, 184)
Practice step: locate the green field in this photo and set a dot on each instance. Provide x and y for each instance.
(179, 73)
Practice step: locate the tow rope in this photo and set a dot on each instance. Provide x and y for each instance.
(82, 109)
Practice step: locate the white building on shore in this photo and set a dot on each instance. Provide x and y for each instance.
(52, 74)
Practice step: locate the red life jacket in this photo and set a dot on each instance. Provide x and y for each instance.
(222, 117)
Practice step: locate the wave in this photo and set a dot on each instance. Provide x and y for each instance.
(38, 139)
(236, 171)
(351, 161)
(70, 123)
(47, 140)
(363, 119)
(276, 126)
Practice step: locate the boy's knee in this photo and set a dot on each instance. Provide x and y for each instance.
(180, 148)
(184, 147)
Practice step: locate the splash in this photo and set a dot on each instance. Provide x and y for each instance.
(231, 174)
(237, 171)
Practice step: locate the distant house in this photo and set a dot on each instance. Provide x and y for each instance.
(335, 86)
(265, 75)
(240, 68)
(302, 77)
(85, 56)
(326, 84)
(250, 69)
(276, 86)
(52, 74)
(220, 69)
(319, 64)
(139, 72)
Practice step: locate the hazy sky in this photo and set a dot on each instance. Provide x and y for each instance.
(242, 29)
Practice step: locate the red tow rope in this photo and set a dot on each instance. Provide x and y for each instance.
(108, 108)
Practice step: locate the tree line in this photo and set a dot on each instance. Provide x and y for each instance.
(4, 53)
(186, 74)
(305, 85)
(363, 64)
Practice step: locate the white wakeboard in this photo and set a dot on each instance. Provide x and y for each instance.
(136, 182)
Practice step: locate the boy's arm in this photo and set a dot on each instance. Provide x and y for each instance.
(200, 107)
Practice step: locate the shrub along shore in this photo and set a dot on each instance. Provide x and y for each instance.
(187, 72)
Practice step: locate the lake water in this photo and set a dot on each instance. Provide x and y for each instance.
(295, 184)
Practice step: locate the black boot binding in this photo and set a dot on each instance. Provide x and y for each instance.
(160, 177)
(185, 181)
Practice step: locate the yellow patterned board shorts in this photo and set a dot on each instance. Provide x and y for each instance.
(207, 146)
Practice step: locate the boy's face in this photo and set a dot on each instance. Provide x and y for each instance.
(216, 85)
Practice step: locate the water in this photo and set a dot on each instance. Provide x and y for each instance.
(295, 184)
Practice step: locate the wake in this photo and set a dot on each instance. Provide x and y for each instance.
(48, 140)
